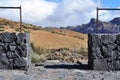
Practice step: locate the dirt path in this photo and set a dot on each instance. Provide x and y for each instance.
(41, 73)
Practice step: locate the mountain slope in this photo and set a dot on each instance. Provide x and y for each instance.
(47, 38)
(104, 27)
(52, 40)
(116, 21)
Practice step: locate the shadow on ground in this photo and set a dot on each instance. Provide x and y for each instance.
(68, 66)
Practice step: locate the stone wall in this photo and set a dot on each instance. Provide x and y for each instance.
(104, 52)
(14, 51)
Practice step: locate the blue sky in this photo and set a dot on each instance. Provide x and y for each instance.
(54, 0)
(57, 13)
(110, 3)
(105, 3)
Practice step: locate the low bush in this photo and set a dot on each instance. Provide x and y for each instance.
(17, 29)
(83, 51)
(38, 50)
(41, 54)
(36, 58)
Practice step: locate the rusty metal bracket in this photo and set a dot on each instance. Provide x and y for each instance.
(97, 18)
(20, 10)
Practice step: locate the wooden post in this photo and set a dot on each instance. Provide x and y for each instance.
(97, 17)
(20, 14)
(97, 22)
(20, 19)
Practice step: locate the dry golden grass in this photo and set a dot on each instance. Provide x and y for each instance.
(49, 40)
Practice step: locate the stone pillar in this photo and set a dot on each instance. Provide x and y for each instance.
(15, 51)
(104, 52)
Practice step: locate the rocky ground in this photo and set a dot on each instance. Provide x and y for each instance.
(58, 72)
(67, 55)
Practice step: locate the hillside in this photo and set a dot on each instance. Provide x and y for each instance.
(47, 38)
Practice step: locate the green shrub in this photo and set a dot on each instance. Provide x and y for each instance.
(26, 30)
(1, 26)
(38, 50)
(36, 27)
(38, 54)
(83, 51)
(2, 30)
(79, 37)
(11, 26)
(66, 49)
(49, 30)
(17, 29)
(35, 58)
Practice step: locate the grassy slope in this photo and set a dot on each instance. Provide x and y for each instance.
(52, 40)
(45, 39)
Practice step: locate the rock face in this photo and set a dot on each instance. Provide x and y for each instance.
(104, 52)
(112, 26)
(116, 21)
(14, 51)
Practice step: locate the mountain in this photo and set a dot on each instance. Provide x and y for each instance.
(51, 38)
(112, 26)
(116, 21)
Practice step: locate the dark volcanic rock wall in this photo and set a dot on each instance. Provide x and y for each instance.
(14, 51)
(104, 51)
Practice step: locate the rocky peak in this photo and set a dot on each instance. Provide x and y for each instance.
(104, 27)
(93, 20)
(116, 21)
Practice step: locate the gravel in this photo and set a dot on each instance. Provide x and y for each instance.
(41, 73)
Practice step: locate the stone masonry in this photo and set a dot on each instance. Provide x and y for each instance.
(104, 52)
(14, 51)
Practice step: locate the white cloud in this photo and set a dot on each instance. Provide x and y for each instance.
(50, 13)
(34, 11)
(107, 15)
(73, 12)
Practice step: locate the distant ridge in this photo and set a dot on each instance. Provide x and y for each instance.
(112, 26)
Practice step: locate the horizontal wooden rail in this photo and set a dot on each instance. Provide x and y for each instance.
(97, 10)
(20, 14)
